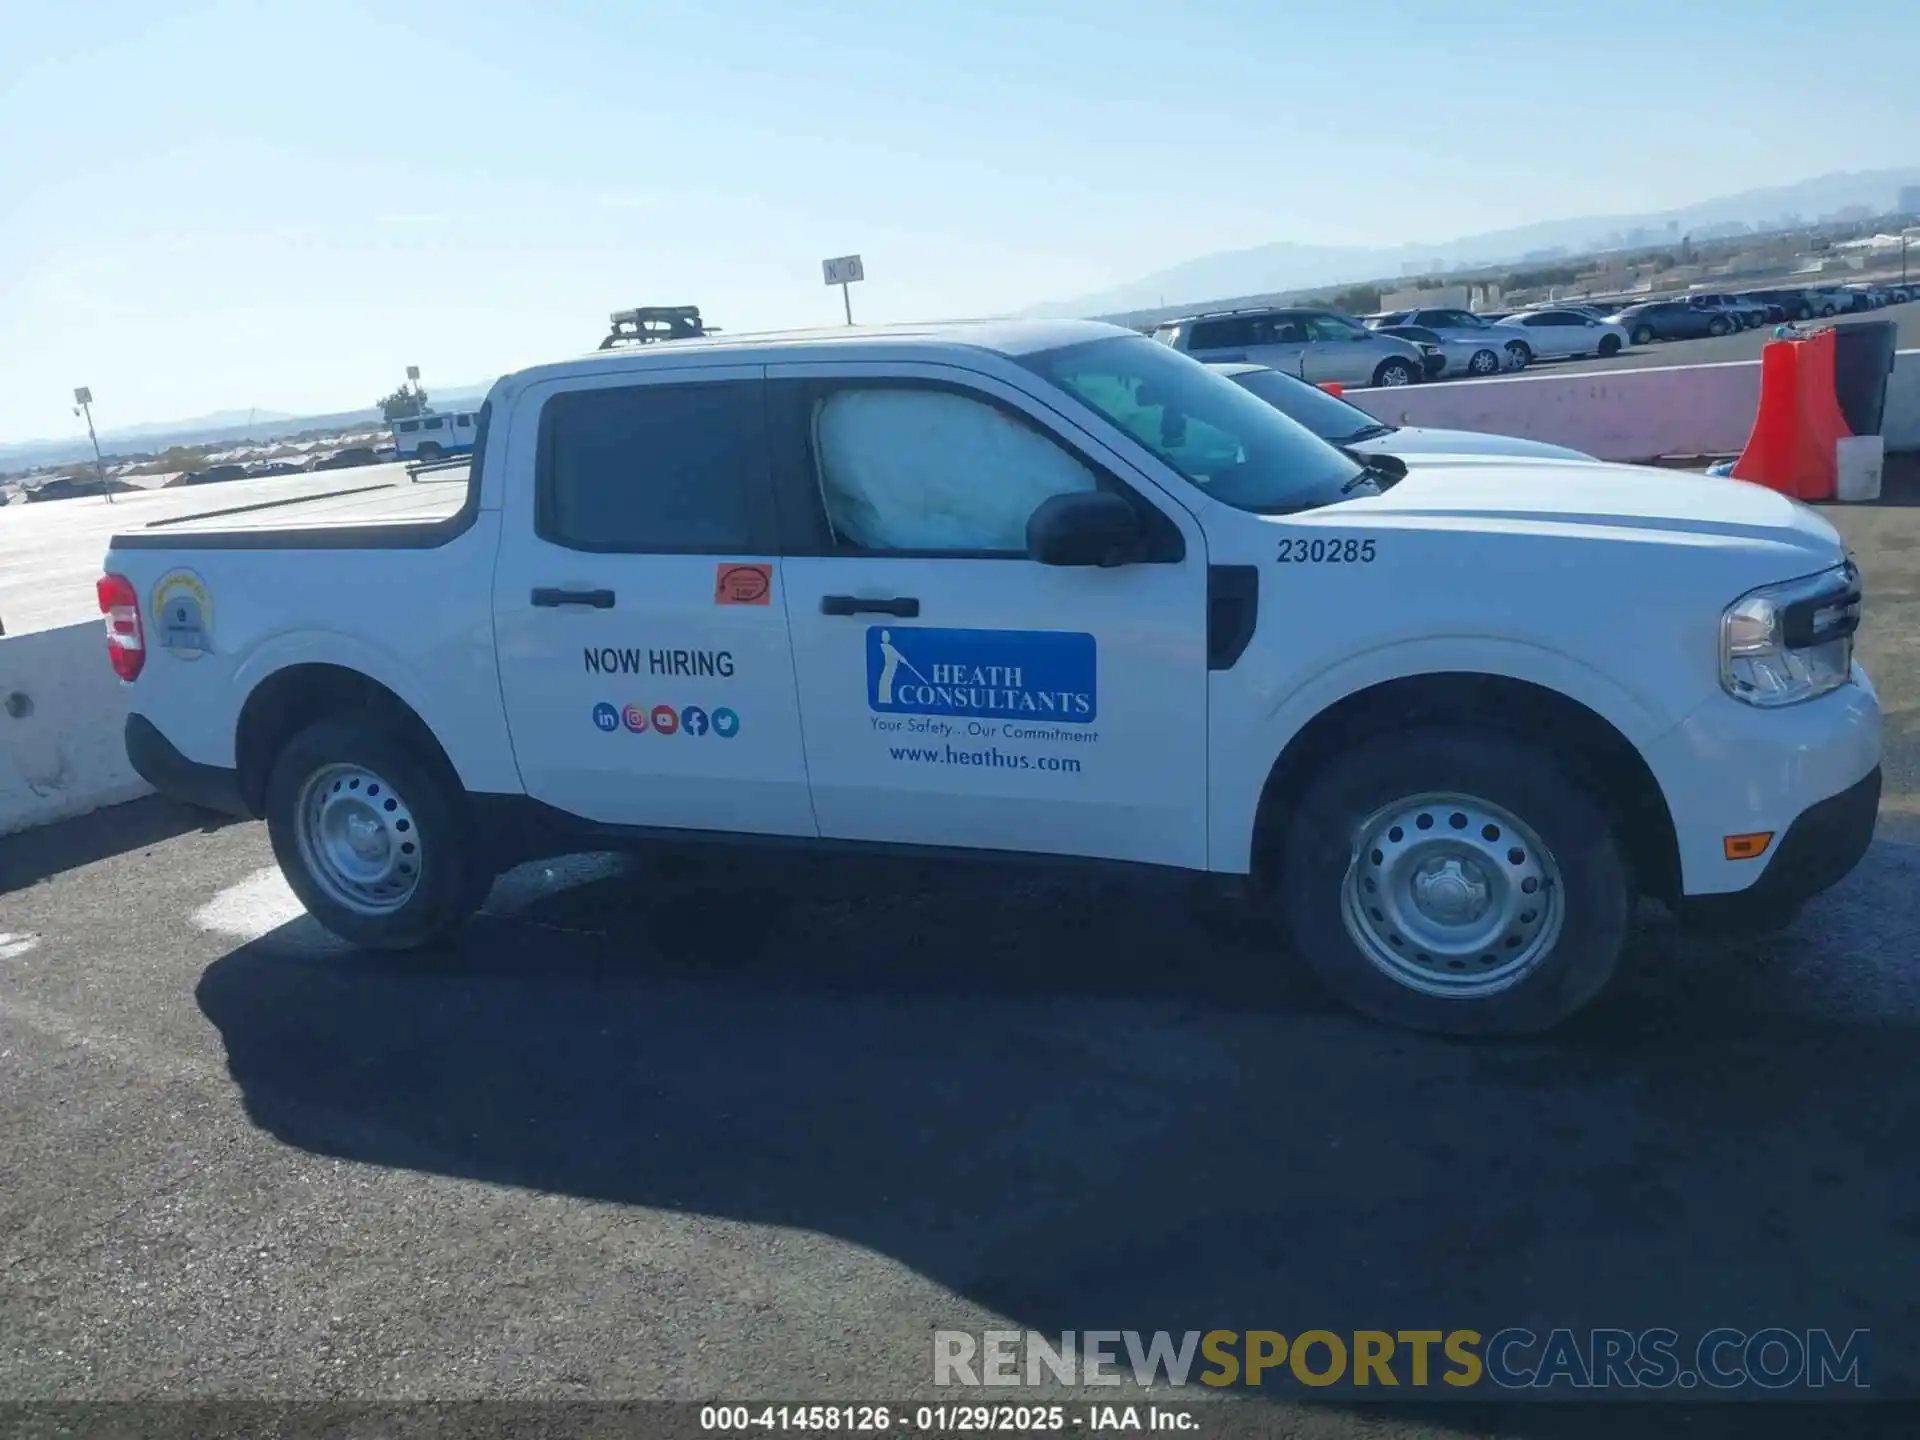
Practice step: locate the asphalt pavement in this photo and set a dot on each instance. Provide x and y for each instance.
(722, 1130)
(1746, 345)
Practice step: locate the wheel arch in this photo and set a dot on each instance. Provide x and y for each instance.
(295, 696)
(1596, 749)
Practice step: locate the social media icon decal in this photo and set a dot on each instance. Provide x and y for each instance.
(635, 718)
(694, 720)
(606, 717)
(726, 724)
(665, 721)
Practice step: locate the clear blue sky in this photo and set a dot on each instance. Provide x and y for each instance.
(211, 206)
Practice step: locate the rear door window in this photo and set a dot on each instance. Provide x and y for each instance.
(662, 469)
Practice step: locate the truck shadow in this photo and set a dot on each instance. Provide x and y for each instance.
(1077, 1107)
(39, 854)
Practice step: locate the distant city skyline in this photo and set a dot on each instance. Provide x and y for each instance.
(242, 211)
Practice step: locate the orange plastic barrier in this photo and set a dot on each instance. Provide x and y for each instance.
(1798, 422)
(1332, 388)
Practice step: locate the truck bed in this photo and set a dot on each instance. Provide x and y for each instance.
(387, 514)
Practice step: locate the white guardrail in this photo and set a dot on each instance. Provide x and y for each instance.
(61, 709)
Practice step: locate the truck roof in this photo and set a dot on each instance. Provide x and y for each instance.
(927, 340)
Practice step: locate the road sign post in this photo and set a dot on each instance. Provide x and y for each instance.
(844, 271)
(83, 404)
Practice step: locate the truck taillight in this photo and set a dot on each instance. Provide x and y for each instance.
(126, 636)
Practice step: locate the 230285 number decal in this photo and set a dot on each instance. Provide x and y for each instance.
(1326, 552)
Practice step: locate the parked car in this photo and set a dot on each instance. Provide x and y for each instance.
(1078, 597)
(1316, 345)
(1454, 324)
(214, 475)
(1792, 304)
(1348, 426)
(1563, 334)
(1866, 297)
(1450, 357)
(1829, 300)
(350, 458)
(1745, 314)
(72, 487)
(1671, 320)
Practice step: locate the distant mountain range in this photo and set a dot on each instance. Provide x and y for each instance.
(1284, 266)
(221, 427)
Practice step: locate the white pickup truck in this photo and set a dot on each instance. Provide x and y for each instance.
(1036, 588)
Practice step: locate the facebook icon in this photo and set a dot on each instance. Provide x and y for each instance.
(693, 720)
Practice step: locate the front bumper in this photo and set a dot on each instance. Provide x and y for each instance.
(1821, 846)
(156, 760)
(1733, 769)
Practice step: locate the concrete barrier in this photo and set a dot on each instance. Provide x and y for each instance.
(61, 712)
(1628, 414)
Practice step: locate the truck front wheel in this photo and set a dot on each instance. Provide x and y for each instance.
(369, 837)
(1456, 882)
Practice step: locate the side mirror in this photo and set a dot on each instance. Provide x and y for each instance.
(1087, 527)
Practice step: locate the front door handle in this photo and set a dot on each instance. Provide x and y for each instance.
(546, 595)
(904, 607)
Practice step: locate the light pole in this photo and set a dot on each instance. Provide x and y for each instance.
(83, 405)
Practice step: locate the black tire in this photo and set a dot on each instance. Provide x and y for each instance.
(1609, 346)
(1395, 372)
(453, 878)
(1718, 326)
(1803, 312)
(1826, 312)
(1641, 335)
(1519, 354)
(1483, 362)
(428, 450)
(1595, 891)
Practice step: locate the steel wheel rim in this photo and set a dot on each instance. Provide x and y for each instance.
(1485, 362)
(1520, 356)
(1394, 375)
(358, 839)
(1463, 906)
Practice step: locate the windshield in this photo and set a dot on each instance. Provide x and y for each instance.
(1333, 420)
(1234, 446)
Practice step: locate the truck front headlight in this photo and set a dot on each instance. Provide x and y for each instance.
(1782, 644)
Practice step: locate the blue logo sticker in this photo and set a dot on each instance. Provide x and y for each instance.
(606, 717)
(693, 720)
(726, 724)
(986, 674)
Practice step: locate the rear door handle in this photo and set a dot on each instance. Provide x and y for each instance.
(547, 596)
(904, 607)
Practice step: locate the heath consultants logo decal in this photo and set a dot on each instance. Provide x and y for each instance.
(983, 674)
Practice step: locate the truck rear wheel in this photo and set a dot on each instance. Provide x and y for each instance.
(370, 837)
(1458, 882)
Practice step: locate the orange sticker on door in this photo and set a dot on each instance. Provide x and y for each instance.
(742, 584)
